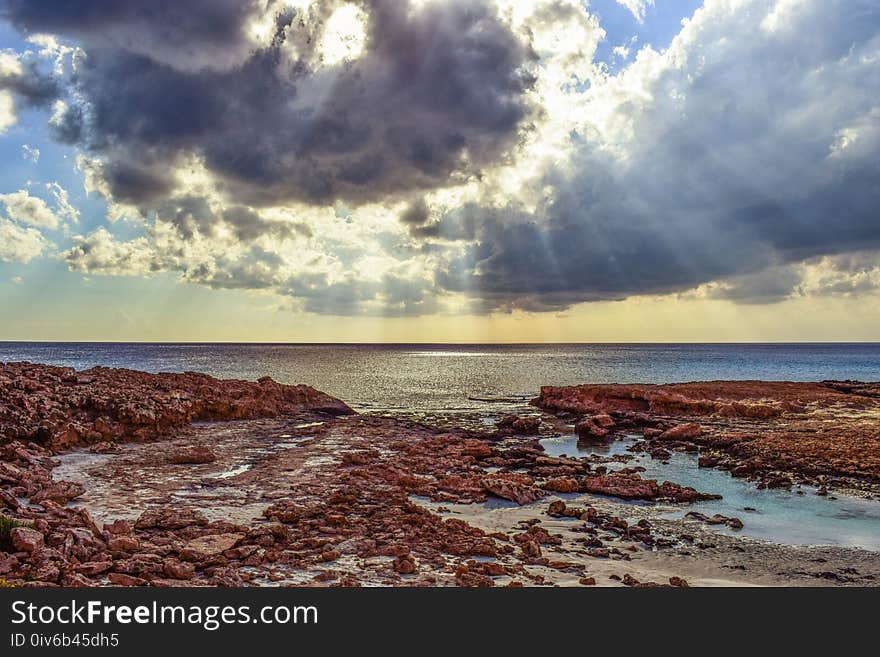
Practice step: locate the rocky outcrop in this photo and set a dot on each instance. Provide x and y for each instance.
(633, 487)
(776, 433)
(60, 408)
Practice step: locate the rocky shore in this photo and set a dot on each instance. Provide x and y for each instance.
(121, 478)
(773, 433)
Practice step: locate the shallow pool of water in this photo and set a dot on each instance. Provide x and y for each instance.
(780, 516)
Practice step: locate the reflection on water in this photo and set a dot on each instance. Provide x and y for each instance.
(427, 378)
(779, 516)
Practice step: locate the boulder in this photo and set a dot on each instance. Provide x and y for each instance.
(25, 539)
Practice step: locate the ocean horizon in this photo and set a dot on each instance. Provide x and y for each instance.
(465, 377)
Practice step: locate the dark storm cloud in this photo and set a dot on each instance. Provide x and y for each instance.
(765, 153)
(201, 31)
(31, 86)
(436, 96)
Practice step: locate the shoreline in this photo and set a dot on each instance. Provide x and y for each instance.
(240, 483)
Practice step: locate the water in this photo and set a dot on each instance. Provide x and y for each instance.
(466, 377)
(488, 380)
(780, 516)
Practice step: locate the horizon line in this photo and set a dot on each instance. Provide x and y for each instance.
(435, 343)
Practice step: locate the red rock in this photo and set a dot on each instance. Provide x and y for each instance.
(61, 492)
(679, 582)
(118, 403)
(405, 565)
(104, 447)
(588, 429)
(121, 579)
(8, 563)
(683, 432)
(192, 455)
(476, 448)
(123, 544)
(628, 487)
(119, 527)
(25, 539)
(517, 488)
(563, 485)
(178, 570)
(94, 567)
(603, 420)
(587, 581)
(212, 545)
(512, 424)
(170, 519)
(330, 555)
(75, 580)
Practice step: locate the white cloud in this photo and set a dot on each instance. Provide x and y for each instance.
(19, 244)
(62, 202)
(7, 111)
(637, 8)
(27, 209)
(30, 153)
(10, 68)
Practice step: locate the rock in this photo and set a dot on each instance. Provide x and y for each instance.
(633, 487)
(628, 487)
(204, 547)
(512, 424)
(587, 581)
(61, 492)
(477, 449)
(778, 481)
(25, 539)
(104, 447)
(405, 565)
(678, 582)
(191, 455)
(119, 527)
(170, 519)
(683, 432)
(94, 567)
(517, 488)
(123, 544)
(105, 404)
(562, 485)
(556, 508)
(587, 429)
(121, 579)
(330, 555)
(8, 563)
(178, 570)
(603, 420)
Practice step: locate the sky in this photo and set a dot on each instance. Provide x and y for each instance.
(440, 170)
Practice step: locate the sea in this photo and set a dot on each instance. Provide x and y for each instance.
(459, 377)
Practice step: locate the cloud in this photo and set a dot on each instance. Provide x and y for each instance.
(194, 34)
(27, 209)
(437, 94)
(472, 153)
(715, 160)
(19, 244)
(637, 8)
(30, 153)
